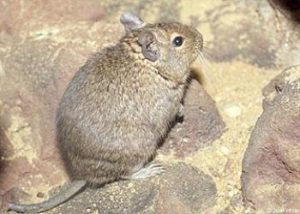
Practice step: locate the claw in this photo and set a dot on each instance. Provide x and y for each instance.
(148, 171)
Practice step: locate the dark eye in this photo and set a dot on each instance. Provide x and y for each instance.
(178, 41)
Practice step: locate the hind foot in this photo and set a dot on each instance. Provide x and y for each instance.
(148, 171)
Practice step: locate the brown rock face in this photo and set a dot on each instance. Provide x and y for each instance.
(271, 166)
(202, 123)
(38, 56)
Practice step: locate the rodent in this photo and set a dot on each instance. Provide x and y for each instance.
(120, 104)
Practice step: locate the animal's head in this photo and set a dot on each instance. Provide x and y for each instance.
(170, 46)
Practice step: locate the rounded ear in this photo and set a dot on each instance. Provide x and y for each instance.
(131, 21)
(149, 45)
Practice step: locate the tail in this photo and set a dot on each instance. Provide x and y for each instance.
(52, 202)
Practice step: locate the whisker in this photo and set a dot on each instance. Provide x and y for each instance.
(207, 52)
(204, 72)
(205, 64)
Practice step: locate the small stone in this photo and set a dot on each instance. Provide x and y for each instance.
(40, 195)
(185, 139)
(2, 72)
(225, 150)
(233, 110)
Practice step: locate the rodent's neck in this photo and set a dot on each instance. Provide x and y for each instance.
(178, 81)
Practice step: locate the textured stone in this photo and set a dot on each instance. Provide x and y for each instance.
(202, 123)
(182, 189)
(289, 8)
(271, 166)
(38, 56)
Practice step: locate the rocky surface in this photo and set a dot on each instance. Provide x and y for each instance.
(271, 167)
(201, 124)
(43, 43)
(176, 191)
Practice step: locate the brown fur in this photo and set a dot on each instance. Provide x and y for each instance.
(119, 105)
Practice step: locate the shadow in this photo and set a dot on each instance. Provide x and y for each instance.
(290, 8)
(197, 75)
(5, 151)
(180, 119)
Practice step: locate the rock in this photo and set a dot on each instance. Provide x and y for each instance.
(263, 36)
(285, 34)
(40, 50)
(202, 123)
(16, 18)
(271, 165)
(182, 189)
(289, 8)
